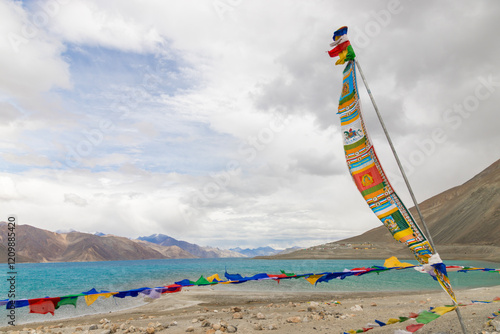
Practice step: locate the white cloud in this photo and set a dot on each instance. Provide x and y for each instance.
(30, 59)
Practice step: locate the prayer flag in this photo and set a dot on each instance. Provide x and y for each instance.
(443, 309)
(43, 305)
(413, 328)
(425, 317)
(67, 300)
(371, 181)
(342, 47)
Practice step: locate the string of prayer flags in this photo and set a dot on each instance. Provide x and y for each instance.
(421, 318)
(50, 304)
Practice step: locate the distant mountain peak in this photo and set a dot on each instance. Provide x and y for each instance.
(260, 251)
(203, 252)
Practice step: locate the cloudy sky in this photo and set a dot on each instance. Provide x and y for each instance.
(215, 122)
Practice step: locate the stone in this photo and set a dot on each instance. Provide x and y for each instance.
(231, 329)
(93, 327)
(173, 323)
(237, 315)
(257, 327)
(272, 327)
(495, 323)
(107, 331)
(210, 331)
(293, 320)
(311, 308)
(216, 326)
(190, 329)
(150, 330)
(357, 308)
(205, 323)
(260, 316)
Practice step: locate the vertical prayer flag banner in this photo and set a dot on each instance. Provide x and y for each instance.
(367, 173)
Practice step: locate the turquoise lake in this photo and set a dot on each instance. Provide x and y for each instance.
(36, 280)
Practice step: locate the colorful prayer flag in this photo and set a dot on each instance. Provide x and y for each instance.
(371, 181)
(342, 47)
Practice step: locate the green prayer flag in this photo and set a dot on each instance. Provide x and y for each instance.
(67, 300)
(288, 274)
(202, 281)
(425, 317)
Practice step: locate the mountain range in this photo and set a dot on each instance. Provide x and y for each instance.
(263, 251)
(464, 223)
(197, 251)
(38, 245)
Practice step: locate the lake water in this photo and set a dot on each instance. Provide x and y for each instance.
(36, 280)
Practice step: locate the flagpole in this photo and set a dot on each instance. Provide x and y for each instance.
(405, 178)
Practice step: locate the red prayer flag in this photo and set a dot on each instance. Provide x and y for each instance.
(43, 305)
(414, 328)
(172, 288)
(413, 315)
(338, 49)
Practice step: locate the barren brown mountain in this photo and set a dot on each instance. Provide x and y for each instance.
(38, 245)
(464, 223)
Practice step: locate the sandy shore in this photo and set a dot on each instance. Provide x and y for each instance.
(204, 310)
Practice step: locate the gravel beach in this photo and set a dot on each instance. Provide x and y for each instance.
(203, 310)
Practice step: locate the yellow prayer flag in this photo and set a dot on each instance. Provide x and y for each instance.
(90, 299)
(214, 276)
(443, 309)
(392, 321)
(394, 262)
(313, 278)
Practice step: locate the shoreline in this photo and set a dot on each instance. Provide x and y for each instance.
(202, 310)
